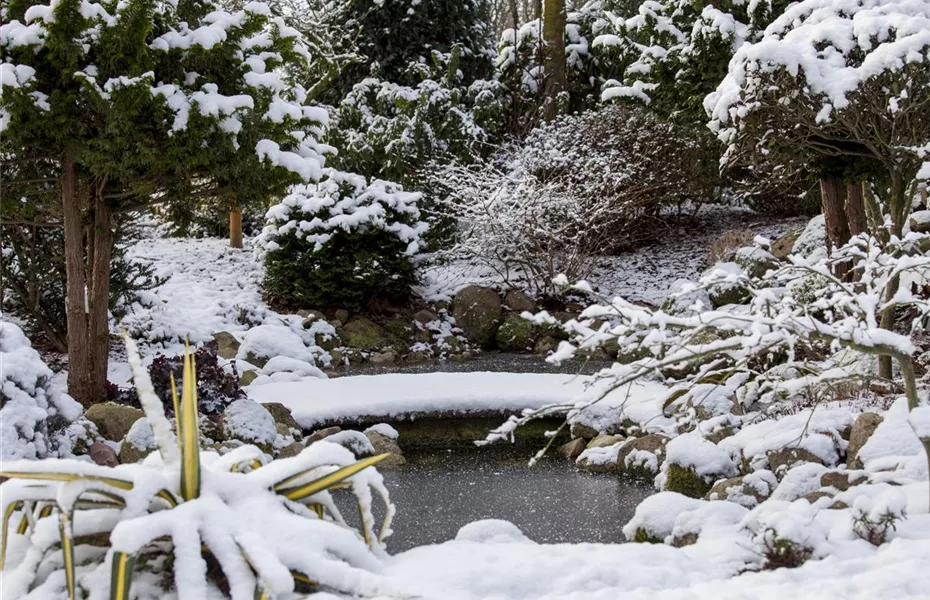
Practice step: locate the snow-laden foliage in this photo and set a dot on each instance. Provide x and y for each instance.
(36, 418)
(583, 185)
(342, 242)
(273, 529)
(845, 83)
(763, 350)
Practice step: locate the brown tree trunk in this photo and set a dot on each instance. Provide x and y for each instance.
(855, 210)
(833, 198)
(87, 266)
(553, 25)
(235, 227)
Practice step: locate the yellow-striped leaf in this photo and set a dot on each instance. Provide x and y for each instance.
(121, 575)
(177, 408)
(121, 484)
(67, 548)
(7, 515)
(190, 431)
(326, 482)
(366, 527)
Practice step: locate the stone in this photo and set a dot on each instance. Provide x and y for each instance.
(227, 346)
(451, 345)
(129, 454)
(863, 428)
(685, 481)
(385, 445)
(113, 421)
(103, 454)
(920, 221)
(745, 493)
(477, 311)
(400, 330)
(320, 434)
(518, 302)
(424, 316)
(815, 496)
(326, 341)
(383, 357)
(545, 345)
(310, 315)
(363, 334)
(755, 261)
(247, 377)
(291, 450)
(582, 430)
(784, 245)
(841, 481)
(515, 334)
(572, 449)
(782, 460)
(256, 360)
(604, 441)
(341, 315)
(638, 450)
(281, 414)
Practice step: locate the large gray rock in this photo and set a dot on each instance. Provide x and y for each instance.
(321, 434)
(784, 245)
(572, 449)
(641, 457)
(865, 425)
(385, 445)
(780, 461)
(518, 302)
(227, 346)
(477, 312)
(113, 421)
(745, 490)
(281, 414)
(515, 334)
(103, 454)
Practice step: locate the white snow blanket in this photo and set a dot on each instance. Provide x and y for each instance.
(314, 401)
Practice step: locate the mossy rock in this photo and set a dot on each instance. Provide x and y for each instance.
(113, 421)
(363, 334)
(644, 537)
(401, 331)
(686, 482)
(477, 312)
(247, 378)
(281, 414)
(515, 334)
(227, 346)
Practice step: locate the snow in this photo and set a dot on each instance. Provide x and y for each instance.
(313, 402)
(893, 437)
(249, 421)
(491, 531)
(383, 429)
(705, 458)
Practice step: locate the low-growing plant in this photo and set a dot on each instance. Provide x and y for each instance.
(779, 552)
(873, 522)
(271, 528)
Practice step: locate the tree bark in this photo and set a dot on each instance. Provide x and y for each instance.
(87, 265)
(235, 227)
(833, 196)
(553, 25)
(855, 210)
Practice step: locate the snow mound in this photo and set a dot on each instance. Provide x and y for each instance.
(36, 418)
(249, 421)
(491, 531)
(384, 429)
(894, 437)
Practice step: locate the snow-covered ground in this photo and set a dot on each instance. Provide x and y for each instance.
(314, 401)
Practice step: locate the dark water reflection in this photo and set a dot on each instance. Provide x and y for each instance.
(439, 491)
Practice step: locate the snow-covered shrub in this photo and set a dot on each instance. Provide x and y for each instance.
(785, 535)
(343, 243)
(873, 520)
(693, 464)
(271, 528)
(35, 414)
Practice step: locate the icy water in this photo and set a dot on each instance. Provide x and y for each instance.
(438, 492)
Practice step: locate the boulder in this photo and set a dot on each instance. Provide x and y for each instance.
(113, 421)
(640, 457)
(515, 334)
(247, 377)
(865, 425)
(320, 434)
(281, 414)
(784, 245)
(745, 490)
(572, 449)
(309, 316)
(680, 302)
(291, 450)
(363, 334)
(579, 429)
(341, 315)
(424, 316)
(386, 445)
(782, 460)
(545, 345)
(518, 302)
(920, 221)
(604, 441)
(841, 481)
(755, 261)
(477, 312)
(103, 454)
(685, 481)
(386, 356)
(139, 442)
(725, 293)
(226, 344)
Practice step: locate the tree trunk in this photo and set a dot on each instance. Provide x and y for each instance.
(855, 210)
(87, 266)
(833, 195)
(235, 227)
(553, 25)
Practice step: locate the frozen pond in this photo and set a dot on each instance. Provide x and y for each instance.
(439, 491)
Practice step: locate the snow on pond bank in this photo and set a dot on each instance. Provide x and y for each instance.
(315, 401)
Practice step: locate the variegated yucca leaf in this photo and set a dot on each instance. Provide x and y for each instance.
(121, 575)
(321, 484)
(190, 432)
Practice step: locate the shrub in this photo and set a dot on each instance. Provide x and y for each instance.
(342, 243)
(268, 528)
(35, 416)
(874, 520)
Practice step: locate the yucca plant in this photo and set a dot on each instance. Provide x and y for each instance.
(271, 528)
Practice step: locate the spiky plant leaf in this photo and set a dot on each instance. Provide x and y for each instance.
(121, 575)
(67, 549)
(298, 493)
(190, 432)
(7, 515)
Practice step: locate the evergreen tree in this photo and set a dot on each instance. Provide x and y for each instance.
(134, 101)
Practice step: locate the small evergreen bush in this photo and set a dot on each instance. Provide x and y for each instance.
(342, 243)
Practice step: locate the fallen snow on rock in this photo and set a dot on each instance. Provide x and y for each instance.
(316, 401)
